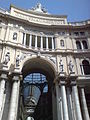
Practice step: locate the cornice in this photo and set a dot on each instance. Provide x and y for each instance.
(44, 20)
(36, 13)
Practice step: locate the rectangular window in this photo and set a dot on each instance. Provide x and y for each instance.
(38, 41)
(49, 42)
(44, 42)
(76, 33)
(23, 38)
(27, 39)
(33, 40)
(54, 42)
(82, 33)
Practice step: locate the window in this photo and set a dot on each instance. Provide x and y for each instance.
(33, 40)
(84, 44)
(54, 42)
(82, 33)
(23, 38)
(14, 36)
(49, 42)
(38, 41)
(27, 39)
(44, 42)
(86, 67)
(78, 44)
(62, 43)
(76, 33)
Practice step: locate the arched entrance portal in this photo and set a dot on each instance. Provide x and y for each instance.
(37, 89)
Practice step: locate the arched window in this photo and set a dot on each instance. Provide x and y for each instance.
(62, 43)
(86, 67)
(78, 44)
(84, 44)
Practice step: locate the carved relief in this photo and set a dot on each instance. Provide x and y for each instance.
(24, 55)
(40, 20)
(53, 59)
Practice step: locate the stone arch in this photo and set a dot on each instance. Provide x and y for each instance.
(46, 67)
(40, 64)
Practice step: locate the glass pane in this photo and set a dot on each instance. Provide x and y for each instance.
(85, 45)
(44, 42)
(49, 42)
(78, 45)
(27, 39)
(33, 40)
(38, 41)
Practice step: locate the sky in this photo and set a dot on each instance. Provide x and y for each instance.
(76, 10)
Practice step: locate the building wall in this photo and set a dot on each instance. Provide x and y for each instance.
(63, 54)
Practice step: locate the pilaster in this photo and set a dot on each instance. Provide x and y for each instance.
(76, 100)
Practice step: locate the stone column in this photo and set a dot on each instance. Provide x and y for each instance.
(59, 117)
(35, 42)
(64, 101)
(2, 89)
(76, 101)
(46, 43)
(14, 99)
(52, 43)
(84, 105)
(30, 42)
(69, 100)
(41, 42)
(25, 39)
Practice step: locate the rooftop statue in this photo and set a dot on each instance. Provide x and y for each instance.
(39, 8)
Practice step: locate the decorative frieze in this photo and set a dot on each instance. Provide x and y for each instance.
(40, 20)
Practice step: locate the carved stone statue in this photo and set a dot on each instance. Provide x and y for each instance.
(39, 8)
(61, 66)
(11, 69)
(17, 61)
(7, 58)
(71, 66)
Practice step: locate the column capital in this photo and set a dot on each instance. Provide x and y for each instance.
(82, 86)
(73, 83)
(62, 82)
(17, 77)
(3, 76)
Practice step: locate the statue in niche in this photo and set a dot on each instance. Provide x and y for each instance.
(71, 66)
(17, 60)
(11, 69)
(61, 66)
(7, 58)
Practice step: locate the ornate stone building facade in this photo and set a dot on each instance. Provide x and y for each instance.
(44, 66)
